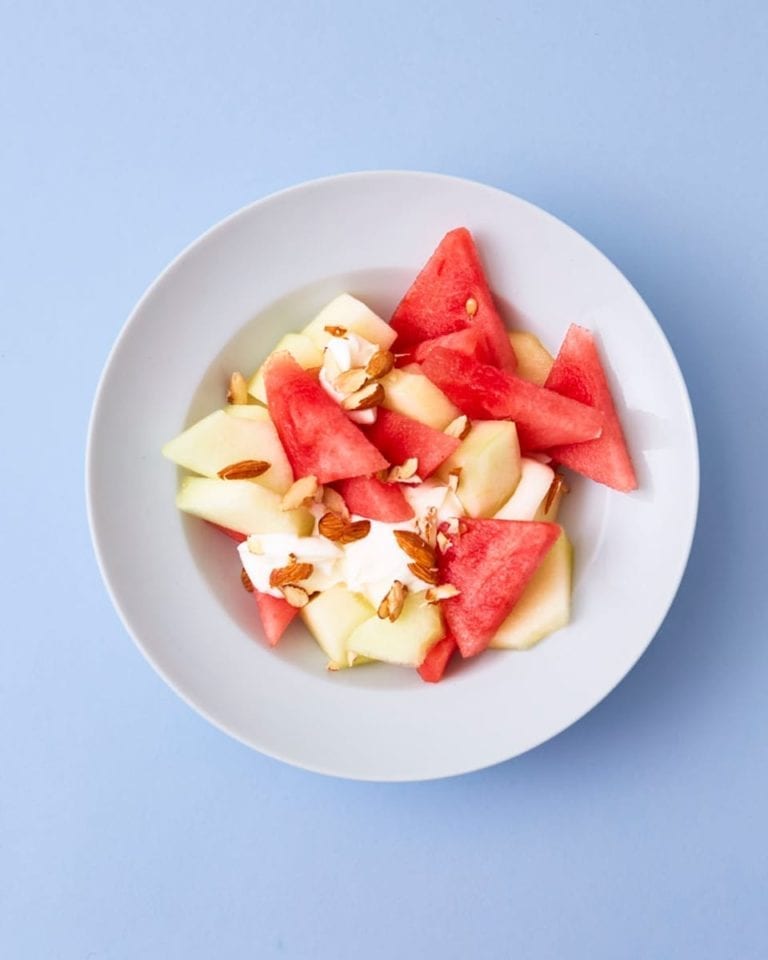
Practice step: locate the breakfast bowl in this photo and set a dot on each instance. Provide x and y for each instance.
(222, 305)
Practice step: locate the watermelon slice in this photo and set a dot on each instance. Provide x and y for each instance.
(318, 437)
(232, 534)
(440, 300)
(490, 562)
(436, 660)
(399, 437)
(370, 497)
(483, 392)
(466, 341)
(275, 614)
(578, 373)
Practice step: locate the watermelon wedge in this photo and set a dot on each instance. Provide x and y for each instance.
(232, 534)
(318, 437)
(578, 373)
(399, 437)
(436, 660)
(370, 497)
(490, 562)
(450, 294)
(466, 341)
(275, 614)
(544, 418)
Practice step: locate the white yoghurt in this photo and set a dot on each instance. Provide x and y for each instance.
(433, 493)
(340, 355)
(262, 553)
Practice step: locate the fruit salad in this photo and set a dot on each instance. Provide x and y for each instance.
(397, 484)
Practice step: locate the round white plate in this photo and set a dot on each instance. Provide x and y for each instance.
(221, 305)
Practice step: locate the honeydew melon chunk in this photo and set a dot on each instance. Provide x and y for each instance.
(545, 605)
(529, 494)
(407, 640)
(534, 361)
(248, 411)
(219, 440)
(242, 506)
(353, 315)
(489, 460)
(415, 396)
(331, 617)
(303, 350)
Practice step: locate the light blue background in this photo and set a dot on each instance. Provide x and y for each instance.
(129, 827)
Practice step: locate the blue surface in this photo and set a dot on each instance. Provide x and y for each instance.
(129, 827)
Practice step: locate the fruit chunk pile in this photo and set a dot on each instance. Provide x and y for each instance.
(395, 484)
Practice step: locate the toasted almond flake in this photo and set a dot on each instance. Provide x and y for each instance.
(443, 543)
(391, 606)
(443, 591)
(558, 483)
(452, 526)
(314, 372)
(371, 395)
(244, 470)
(415, 547)
(453, 479)
(332, 526)
(405, 472)
(333, 667)
(246, 580)
(336, 331)
(380, 364)
(459, 427)
(356, 531)
(428, 527)
(334, 501)
(351, 380)
(296, 596)
(471, 306)
(425, 573)
(238, 389)
(300, 493)
(294, 572)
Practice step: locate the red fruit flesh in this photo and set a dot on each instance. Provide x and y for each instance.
(578, 373)
(275, 614)
(436, 660)
(543, 418)
(491, 563)
(398, 438)
(319, 438)
(449, 294)
(232, 534)
(466, 341)
(370, 497)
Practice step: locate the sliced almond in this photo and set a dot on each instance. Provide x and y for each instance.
(380, 364)
(335, 502)
(415, 547)
(391, 606)
(238, 389)
(453, 478)
(293, 572)
(443, 542)
(351, 380)
(558, 482)
(471, 306)
(244, 470)
(443, 591)
(336, 331)
(459, 427)
(340, 530)
(428, 527)
(405, 472)
(296, 596)
(427, 574)
(452, 526)
(356, 531)
(301, 493)
(371, 395)
(246, 580)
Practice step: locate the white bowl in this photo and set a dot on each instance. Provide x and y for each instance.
(220, 306)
